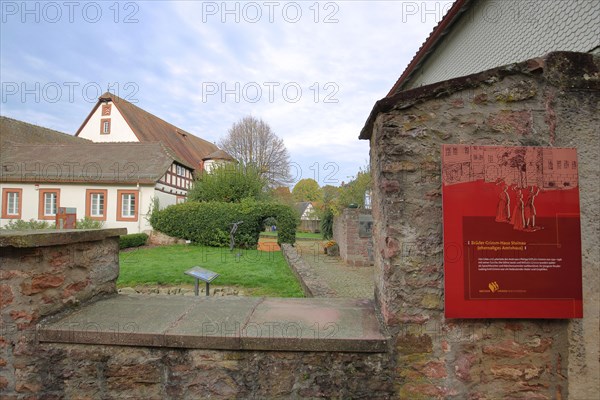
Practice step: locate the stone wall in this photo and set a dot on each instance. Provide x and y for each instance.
(48, 276)
(117, 372)
(43, 273)
(355, 250)
(549, 102)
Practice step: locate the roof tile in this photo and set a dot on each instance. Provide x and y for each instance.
(148, 127)
(118, 163)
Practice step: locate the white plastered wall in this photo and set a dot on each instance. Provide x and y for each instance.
(74, 195)
(119, 129)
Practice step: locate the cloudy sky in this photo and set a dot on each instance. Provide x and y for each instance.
(312, 70)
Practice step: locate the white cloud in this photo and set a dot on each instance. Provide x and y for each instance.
(173, 56)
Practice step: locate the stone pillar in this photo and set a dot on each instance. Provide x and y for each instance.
(551, 102)
(355, 249)
(43, 273)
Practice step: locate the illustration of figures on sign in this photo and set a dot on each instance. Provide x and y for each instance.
(521, 174)
(522, 214)
(503, 210)
(515, 210)
(518, 218)
(530, 211)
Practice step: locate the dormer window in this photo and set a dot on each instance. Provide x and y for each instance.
(105, 126)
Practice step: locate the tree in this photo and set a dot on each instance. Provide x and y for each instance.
(307, 190)
(354, 191)
(330, 194)
(252, 142)
(283, 195)
(229, 183)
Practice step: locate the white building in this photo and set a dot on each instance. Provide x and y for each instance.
(216, 159)
(113, 119)
(109, 182)
(118, 162)
(309, 218)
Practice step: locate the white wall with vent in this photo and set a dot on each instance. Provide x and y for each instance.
(492, 33)
(119, 130)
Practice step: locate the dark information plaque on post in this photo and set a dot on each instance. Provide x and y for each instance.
(201, 274)
(512, 236)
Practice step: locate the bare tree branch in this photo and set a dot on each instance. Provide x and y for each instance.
(252, 142)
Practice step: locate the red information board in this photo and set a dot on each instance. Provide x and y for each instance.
(512, 237)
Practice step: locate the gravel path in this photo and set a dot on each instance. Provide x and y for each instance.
(357, 282)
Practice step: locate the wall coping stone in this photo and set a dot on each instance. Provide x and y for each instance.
(231, 323)
(567, 70)
(52, 237)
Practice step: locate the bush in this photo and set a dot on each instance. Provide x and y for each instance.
(327, 224)
(32, 224)
(88, 223)
(209, 223)
(132, 240)
(229, 183)
(20, 225)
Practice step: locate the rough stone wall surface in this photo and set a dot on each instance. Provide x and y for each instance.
(39, 281)
(159, 239)
(482, 359)
(116, 372)
(354, 249)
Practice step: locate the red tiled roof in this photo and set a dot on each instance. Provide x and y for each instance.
(150, 128)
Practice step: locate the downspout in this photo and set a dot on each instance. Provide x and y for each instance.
(140, 207)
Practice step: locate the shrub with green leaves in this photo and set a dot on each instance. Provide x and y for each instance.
(229, 183)
(20, 225)
(88, 223)
(327, 224)
(209, 223)
(132, 240)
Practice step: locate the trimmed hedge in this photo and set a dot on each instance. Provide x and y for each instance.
(132, 240)
(209, 223)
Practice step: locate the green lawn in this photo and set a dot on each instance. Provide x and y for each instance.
(299, 235)
(258, 273)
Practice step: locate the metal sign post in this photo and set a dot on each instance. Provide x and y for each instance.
(201, 274)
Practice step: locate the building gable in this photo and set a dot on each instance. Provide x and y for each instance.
(146, 127)
(94, 126)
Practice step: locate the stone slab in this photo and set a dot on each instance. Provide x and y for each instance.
(230, 323)
(122, 320)
(213, 323)
(317, 324)
(53, 237)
